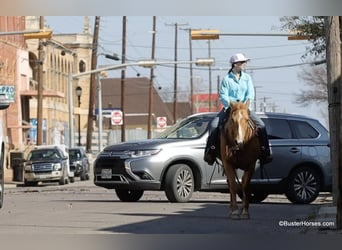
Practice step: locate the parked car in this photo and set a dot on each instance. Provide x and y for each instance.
(79, 163)
(4, 104)
(174, 162)
(47, 164)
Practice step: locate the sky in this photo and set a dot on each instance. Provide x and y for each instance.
(272, 57)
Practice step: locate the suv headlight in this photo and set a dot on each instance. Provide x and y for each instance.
(57, 167)
(28, 167)
(142, 153)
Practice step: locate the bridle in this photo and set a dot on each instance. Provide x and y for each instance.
(251, 129)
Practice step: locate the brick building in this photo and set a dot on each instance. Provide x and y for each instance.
(13, 75)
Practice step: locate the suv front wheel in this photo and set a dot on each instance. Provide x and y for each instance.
(303, 185)
(179, 183)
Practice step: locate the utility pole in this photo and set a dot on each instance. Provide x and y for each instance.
(123, 75)
(210, 82)
(175, 77)
(191, 74)
(256, 97)
(92, 89)
(150, 103)
(333, 58)
(218, 93)
(175, 74)
(40, 86)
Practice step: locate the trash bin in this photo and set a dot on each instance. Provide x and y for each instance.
(18, 170)
(17, 166)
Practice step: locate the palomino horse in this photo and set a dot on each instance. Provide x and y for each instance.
(239, 148)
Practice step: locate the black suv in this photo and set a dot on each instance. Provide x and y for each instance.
(46, 164)
(79, 163)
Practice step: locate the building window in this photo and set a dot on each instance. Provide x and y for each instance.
(82, 66)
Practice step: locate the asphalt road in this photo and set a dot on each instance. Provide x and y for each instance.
(82, 208)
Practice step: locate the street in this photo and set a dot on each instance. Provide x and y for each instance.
(83, 208)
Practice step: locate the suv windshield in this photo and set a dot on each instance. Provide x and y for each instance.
(74, 154)
(48, 154)
(189, 128)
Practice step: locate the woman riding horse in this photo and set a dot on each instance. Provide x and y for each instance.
(236, 86)
(239, 149)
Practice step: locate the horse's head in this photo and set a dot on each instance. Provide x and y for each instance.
(237, 125)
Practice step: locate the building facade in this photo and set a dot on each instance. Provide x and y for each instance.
(20, 74)
(13, 77)
(64, 54)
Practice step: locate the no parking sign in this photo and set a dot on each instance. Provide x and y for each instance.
(116, 116)
(161, 122)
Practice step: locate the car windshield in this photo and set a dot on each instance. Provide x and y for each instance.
(188, 128)
(74, 154)
(44, 155)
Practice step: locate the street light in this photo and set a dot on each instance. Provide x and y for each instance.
(114, 57)
(103, 74)
(79, 93)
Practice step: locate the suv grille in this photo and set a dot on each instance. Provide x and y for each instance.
(43, 167)
(117, 167)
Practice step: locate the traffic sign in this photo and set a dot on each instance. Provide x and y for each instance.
(161, 122)
(117, 117)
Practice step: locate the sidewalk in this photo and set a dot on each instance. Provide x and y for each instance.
(12, 184)
(324, 221)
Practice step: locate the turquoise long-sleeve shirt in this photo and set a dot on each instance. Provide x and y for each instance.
(232, 89)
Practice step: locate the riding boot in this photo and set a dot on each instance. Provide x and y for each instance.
(265, 152)
(211, 149)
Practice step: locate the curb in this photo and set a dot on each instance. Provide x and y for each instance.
(12, 184)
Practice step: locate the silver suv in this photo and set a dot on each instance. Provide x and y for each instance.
(174, 162)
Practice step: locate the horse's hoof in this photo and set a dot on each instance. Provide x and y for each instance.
(234, 215)
(244, 216)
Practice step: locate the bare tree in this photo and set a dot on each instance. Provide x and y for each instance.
(316, 79)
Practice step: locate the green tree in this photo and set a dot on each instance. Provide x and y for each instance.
(312, 26)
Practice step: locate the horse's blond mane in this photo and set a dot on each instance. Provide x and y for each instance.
(238, 105)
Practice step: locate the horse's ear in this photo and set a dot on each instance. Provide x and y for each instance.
(231, 103)
(247, 103)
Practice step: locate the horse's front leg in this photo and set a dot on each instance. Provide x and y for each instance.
(246, 178)
(230, 173)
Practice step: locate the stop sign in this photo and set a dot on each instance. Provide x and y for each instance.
(161, 122)
(117, 117)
